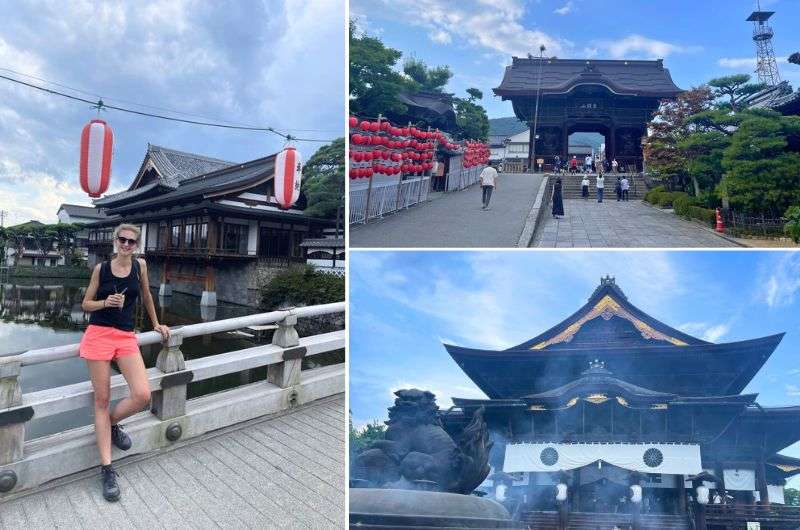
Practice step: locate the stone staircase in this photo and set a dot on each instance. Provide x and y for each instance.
(604, 521)
(571, 185)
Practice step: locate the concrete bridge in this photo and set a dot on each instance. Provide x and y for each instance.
(265, 454)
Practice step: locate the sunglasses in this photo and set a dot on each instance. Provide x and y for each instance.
(125, 240)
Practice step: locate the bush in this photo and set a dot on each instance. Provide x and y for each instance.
(792, 227)
(667, 198)
(301, 286)
(689, 207)
(651, 195)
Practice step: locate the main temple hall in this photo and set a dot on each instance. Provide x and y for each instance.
(613, 418)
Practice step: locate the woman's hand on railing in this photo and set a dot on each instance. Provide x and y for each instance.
(164, 330)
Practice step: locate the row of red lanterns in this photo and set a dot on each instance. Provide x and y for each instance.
(366, 156)
(381, 169)
(475, 154)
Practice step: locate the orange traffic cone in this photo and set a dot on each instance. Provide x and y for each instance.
(720, 225)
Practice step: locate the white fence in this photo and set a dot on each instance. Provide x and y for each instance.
(386, 198)
(462, 178)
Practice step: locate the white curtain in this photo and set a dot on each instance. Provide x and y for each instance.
(775, 494)
(673, 459)
(739, 479)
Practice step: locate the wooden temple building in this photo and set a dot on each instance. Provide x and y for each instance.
(210, 227)
(615, 98)
(614, 418)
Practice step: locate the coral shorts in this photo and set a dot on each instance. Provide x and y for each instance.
(104, 343)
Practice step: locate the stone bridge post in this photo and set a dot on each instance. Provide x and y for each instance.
(286, 374)
(170, 400)
(12, 422)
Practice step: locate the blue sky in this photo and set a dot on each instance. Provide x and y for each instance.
(698, 40)
(403, 305)
(265, 62)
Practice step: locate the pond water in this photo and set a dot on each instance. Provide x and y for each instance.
(37, 313)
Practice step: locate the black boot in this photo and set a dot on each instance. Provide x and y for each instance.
(110, 487)
(119, 438)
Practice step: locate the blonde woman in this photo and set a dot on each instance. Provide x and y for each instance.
(111, 298)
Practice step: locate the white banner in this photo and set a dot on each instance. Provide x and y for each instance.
(739, 479)
(775, 494)
(673, 459)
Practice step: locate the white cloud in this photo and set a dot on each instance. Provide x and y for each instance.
(441, 36)
(745, 62)
(792, 390)
(565, 9)
(782, 281)
(638, 46)
(706, 331)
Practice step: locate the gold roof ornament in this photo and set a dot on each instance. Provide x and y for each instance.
(607, 308)
(597, 399)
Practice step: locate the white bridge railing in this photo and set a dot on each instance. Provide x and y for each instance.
(387, 198)
(28, 464)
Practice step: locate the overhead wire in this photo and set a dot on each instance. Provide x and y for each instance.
(99, 104)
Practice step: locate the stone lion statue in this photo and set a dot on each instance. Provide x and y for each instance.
(417, 452)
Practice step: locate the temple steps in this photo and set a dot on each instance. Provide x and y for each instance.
(605, 521)
(571, 186)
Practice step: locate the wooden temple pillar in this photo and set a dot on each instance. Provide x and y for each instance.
(611, 147)
(164, 288)
(209, 296)
(761, 482)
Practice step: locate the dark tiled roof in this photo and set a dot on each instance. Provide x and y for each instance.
(76, 210)
(173, 167)
(559, 76)
(323, 243)
(209, 184)
(437, 102)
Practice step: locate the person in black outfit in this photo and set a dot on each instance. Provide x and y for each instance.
(111, 299)
(558, 200)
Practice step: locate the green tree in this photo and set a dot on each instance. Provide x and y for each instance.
(792, 227)
(432, 79)
(791, 496)
(761, 173)
(374, 83)
(361, 438)
(734, 88)
(472, 122)
(323, 181)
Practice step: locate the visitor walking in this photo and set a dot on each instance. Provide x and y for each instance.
(585, 188)
(558, 199)
(614, 166)
(626, 185)
(618, 189)
(557, 164)
(111, 297)
(488, 181)
(600, 184)
(587, 164)
(598, 165)
(573, 164)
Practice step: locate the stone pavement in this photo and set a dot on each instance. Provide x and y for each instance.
(456, 219)
(621, 224)
(286, 471)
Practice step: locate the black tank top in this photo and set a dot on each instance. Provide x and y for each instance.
(115, 317)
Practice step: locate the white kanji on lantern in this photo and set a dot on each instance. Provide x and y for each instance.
(288, 175)
(97, 142)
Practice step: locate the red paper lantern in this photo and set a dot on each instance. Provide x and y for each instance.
(375, 126)
(353, 121)
(97, 141)
(288, 174)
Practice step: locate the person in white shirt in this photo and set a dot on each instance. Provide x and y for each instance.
(587, 164)
(585, 188)
(488, 180)
(614, 165)
(626, 185)
(600, 184)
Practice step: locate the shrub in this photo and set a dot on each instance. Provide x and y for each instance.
(689, 207)
(651, 195)
(666, 199)
(792, 227)
(301, 286)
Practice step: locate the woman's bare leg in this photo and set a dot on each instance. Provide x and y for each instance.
(100, 374)
(134, 372)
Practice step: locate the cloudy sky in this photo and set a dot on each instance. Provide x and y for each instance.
(403, 305)
(476, 38)
(278, 63)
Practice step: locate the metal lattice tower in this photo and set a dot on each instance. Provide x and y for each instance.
(766, 65)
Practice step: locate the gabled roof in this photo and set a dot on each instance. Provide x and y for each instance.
(171, 167)
(77, 210)
(560, 76)
(609, 317)
(638, 348)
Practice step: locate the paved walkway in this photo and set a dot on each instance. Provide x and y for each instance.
(282, 472)
(621, 224)
(456, 219)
